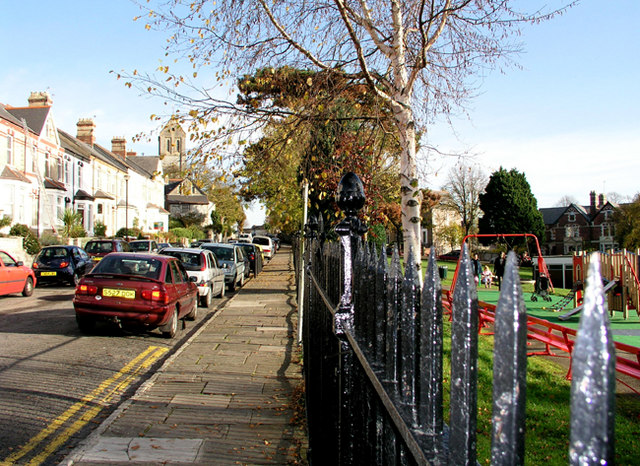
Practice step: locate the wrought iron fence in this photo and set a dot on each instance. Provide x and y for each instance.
(373, 360)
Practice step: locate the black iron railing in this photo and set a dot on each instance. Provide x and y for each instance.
(373, 360)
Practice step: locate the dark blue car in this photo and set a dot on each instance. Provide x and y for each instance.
(61, 264)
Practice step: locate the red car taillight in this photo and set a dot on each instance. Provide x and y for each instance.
(35, 265)
(251, 256)
(155, 295)
(89, 290)
(64, 265)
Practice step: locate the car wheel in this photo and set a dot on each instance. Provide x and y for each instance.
(232, 285)
(193, 315)
(170, 329)
(85, 324)
(222, 290)
(76, 279)
(28, 287)
(242, 280)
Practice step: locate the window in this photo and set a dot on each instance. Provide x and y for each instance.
(178, 145)
(67, 172)
(47, 165)
(9, 149)
(572, 216)
(168, 145)
(607, 215)
(99, 208)
(80, 165)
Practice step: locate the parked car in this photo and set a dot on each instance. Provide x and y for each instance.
(451, 256)
(15, 277)
(267, 245)
(231, 257)
(146, 246)
(202, 264)
(245, 237)
(62, 263)
(254, 254)
(98, 248)
(151, 290)
(169, 245)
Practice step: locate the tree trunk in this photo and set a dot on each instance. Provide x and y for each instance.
(411, 195)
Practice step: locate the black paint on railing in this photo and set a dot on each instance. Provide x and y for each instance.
(373, 359)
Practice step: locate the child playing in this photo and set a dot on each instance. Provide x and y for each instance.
(487, 277)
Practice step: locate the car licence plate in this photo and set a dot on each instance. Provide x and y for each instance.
(118, 293)
(48, 274)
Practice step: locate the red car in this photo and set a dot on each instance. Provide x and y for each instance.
(15, 277)
(139, 289)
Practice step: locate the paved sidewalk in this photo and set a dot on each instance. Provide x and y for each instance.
(223, 398)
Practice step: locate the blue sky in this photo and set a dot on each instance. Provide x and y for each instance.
(569, 119)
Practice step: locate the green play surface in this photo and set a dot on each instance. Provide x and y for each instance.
(624, 331)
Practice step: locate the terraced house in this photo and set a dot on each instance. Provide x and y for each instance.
(45, 170)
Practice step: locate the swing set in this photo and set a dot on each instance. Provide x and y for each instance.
(543, 271)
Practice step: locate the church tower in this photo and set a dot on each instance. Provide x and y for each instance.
(171, 147)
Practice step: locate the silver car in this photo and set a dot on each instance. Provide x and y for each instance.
(202, 264)
(231, 257)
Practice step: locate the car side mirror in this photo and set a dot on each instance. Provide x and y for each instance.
(19, 264)
(193, 279)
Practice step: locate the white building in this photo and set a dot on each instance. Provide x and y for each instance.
(44, 170)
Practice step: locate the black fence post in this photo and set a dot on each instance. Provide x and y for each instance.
(350, 198)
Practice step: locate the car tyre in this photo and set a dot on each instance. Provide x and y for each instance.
(232, 285)
(205, 301)
(85, 324)
(223, 289)
(242, 280)
(170, 329)
(28, 287)
(76, 279)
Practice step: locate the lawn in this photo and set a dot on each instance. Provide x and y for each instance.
(548, 401)
(548, 410)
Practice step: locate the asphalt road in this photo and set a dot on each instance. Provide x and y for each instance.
(57, 384)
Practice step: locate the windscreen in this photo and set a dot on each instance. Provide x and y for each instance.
(190, 260)
(127, 265)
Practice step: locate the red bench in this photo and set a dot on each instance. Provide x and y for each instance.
(563, 338)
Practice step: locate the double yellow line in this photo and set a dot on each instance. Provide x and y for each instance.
(78, 415)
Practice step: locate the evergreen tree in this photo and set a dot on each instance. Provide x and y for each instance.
(627, 224)
(509, 205)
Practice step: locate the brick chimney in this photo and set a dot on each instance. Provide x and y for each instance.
(40, 99)
(86, 127)
(119, 146)
(602, 199)
(592, 204)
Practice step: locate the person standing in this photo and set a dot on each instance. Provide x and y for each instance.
(477, 267)
(498, 267)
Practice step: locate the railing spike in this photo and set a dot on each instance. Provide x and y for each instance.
(509, 370)
(593, 385)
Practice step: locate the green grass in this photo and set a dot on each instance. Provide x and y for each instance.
(548, 401)
(547, 411)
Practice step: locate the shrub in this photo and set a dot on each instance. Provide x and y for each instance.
(47, 239)
(30, 243)
(99, 229)
(77, 231)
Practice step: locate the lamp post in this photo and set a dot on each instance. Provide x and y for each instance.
(126, 206)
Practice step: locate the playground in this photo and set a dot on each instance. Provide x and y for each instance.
(554, 314)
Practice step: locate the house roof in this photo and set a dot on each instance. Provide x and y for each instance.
(99, 194)
(149, 163)
(10, 174)
(53, 184)
(83, 195)
(34, 116)
(198, 199)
